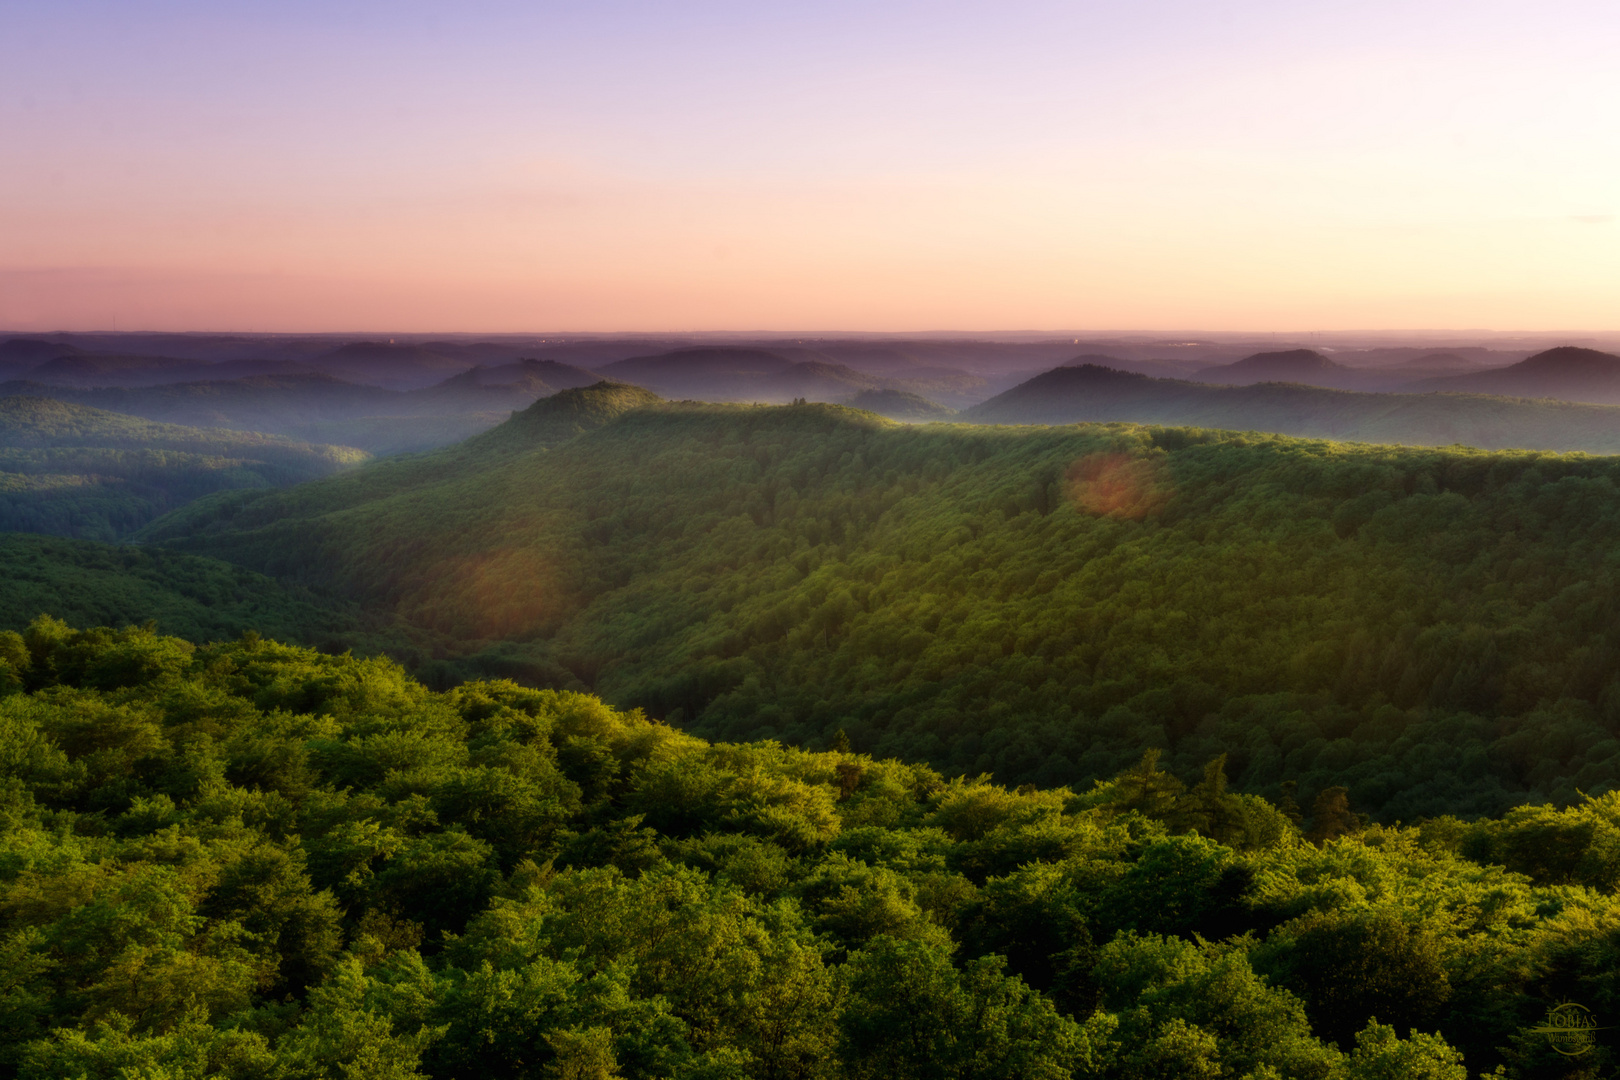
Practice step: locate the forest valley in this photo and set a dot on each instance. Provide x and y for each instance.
(635, 738)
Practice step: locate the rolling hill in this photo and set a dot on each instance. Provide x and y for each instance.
(1291, 365)
(255, 403)
(60, 364)
(700, 373)
(322, 408)
(1090, 393)
(1374, 370)
(1566, 373)
(75, 471)
(777, 376)
(395, 367)
(19, 355)
(553, 373)
(900, 405)
(1039, 603)
(98, 370)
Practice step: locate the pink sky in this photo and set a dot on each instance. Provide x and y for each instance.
(638, 166)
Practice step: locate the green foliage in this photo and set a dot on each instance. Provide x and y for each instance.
(1381, 1055)
(81, 472)
(563, 415)
(1349, 965)
(256, 861)
(200, 599)
(1203, 1007)
(912, 1015)
(1428, 629)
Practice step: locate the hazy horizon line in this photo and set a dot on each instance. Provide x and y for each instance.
(1077, 336)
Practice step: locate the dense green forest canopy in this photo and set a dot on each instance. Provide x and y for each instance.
(1091, 392)
(259, 862)
(76, 471)
(1433, 628)
(93, 584)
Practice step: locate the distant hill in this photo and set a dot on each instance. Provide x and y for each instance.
(19, 355)
(254, 403)
(396, 367)
(553, 373)
(98, 370)
(685, 364)
(816, 380)
(1568, 373)
(1291, 365)
(1088, 393)
(956, 389)
(318, 407)
(1378, 370)
(1414, 356)
(57, 364)
(475, 391)
(75, 471)
(781, 375)
(91, 369)
(900, 405)
(1441, 360)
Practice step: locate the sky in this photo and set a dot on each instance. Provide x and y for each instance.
(885, 166)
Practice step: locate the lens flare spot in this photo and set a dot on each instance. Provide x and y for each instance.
(1118, 485)
(507, 592)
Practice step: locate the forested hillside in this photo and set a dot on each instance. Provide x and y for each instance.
(1434, 628)
(252, 861)
(75, 471)
(900, 405)
(1091, 392)
(199, 599)
(319, 407)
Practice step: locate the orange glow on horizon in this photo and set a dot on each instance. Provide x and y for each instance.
(1252, 166)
